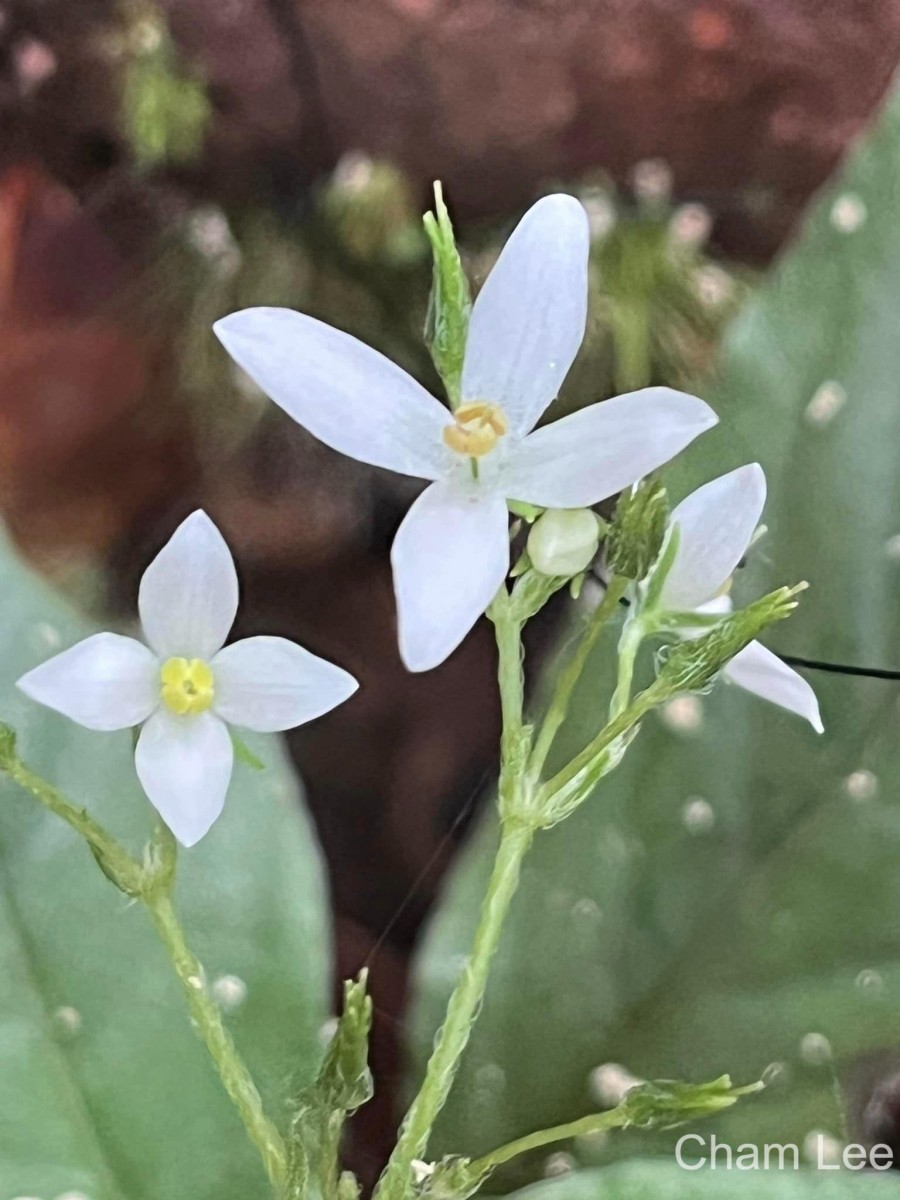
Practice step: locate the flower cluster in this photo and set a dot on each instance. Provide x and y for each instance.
(451, 554)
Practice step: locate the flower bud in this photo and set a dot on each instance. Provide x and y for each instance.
(563, 541)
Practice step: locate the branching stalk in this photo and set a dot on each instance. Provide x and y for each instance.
(572, 672)
(515, 839)
(151, 883)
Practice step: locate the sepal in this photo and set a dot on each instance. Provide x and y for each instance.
(450, 303)
(693, 665)
(638, 530)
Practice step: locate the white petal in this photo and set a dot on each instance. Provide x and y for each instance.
(715, 524)
(184, 765)
(528, 320)
(344, 392)
(450, 556)
(105, 682)
(760, 671)
(602, 449)
(269, 684)
(189, 594)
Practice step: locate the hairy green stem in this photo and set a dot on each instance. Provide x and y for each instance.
(515, 839)
(150, 884)
(462, 1010)
(629, 644)
(207, 1018)
(619, 725)
(614, 1118)
(113, 859)
(571, 673)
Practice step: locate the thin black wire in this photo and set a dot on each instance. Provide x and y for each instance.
(813, 664)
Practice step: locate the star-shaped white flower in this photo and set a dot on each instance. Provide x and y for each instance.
(184, 687)
(451, 553)
(716, 524)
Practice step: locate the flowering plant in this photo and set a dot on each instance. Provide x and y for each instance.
(502, 361)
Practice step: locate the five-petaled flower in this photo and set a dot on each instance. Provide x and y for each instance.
(715, 526)
(183, 687)
(451, 553)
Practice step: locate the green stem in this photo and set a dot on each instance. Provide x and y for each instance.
(150, 883)
(515, 839)
(116, 863)
(595, 1123)
(571, 673)
(629, 644)
(461, 1013)
(235, 1077)
(619, 725)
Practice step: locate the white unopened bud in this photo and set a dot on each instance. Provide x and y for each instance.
(563, 541)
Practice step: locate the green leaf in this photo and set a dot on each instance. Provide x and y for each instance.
(734, 886)
(105, 1089)
(651, 1180)
(450, 302)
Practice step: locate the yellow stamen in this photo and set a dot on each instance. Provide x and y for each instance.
(476, 429)
(186, 685)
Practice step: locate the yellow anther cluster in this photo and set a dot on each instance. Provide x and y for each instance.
(186, 685)
(476, 429)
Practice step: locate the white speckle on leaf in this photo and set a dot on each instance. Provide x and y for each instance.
(491, 1077)
(698, 815)
(558, 1164)
(48, 635)
(230, 991)
(827, 402)
(861, 785)
(586, 909)
(684, 714)
(776, 1074)
(821, 1148)
(892, 548)
(870, 981)
(68, 1019)
(848, 213)
(610, 1082)
(815, 1049)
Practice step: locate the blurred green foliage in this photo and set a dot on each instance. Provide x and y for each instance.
(728, 900)
(651, 1180)
(105, 1090)
(165, 109)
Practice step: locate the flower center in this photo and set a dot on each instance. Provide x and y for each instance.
(186, 685)
(476, 429)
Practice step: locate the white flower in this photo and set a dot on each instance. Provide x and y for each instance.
(716, 524)
(185, 686)
(451, 553)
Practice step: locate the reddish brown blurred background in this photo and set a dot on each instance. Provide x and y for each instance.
(159, 167)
